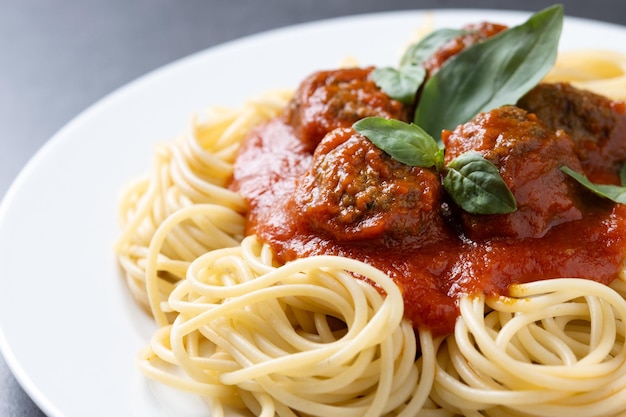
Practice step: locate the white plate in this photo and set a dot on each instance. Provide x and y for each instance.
(69, 329)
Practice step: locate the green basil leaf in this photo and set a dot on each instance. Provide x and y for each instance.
(476, 186)
(614, 193)
(622, 175)
(419, 52)
(406, 143)
(490, 74)
(400, 84)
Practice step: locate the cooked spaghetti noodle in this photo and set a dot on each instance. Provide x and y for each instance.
(306, 338)
(555, 348)
(188, 173)
(603, 72)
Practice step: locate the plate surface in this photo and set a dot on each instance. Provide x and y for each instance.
(68, 328)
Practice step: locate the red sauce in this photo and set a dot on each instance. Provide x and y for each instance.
(314, 186)
(431, 276)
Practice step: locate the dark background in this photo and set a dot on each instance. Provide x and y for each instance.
(58, 57)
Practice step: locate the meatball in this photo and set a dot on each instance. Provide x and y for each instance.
(475, 33)
(355, 192)
(528, 155)
(596, 124)
(331, 99)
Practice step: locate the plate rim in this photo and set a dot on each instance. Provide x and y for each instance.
(11, 358)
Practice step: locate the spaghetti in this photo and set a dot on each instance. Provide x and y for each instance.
(188, 174)
(305, 338)
(556, 347)
(603, 72)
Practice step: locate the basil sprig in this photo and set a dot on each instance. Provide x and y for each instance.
(471, 181)
(404, 142)
(491, 73)
(614, 193)
(476, 186)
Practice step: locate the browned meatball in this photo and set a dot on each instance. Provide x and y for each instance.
(475, 33)
(596, 124)
(354, 191)
(528, 156)
(330, 99)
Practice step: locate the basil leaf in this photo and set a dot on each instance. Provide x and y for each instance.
(419, 52)
(490, 74)
(404, 142)
(622, 175)
(476, 185)
(614, 193)
(400, 84)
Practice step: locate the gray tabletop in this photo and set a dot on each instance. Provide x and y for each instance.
(59, 56)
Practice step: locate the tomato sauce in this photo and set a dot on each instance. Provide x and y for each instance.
(431, 276)
(314, 186)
